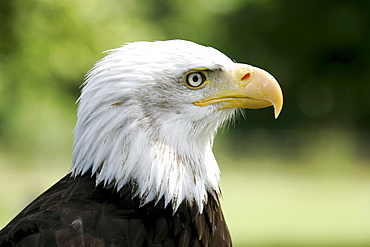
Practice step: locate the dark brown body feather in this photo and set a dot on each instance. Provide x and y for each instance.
(75, 212)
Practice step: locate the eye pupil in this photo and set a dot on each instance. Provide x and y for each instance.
(195, 79)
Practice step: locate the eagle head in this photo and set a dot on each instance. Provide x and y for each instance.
(148, 113)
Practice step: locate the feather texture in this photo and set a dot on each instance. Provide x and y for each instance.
(136, 121)
(94, 216)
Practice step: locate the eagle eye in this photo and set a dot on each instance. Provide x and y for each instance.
(195, 80)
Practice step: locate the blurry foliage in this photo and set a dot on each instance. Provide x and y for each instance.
(318, 50)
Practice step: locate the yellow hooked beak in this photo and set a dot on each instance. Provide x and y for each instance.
(254, 88)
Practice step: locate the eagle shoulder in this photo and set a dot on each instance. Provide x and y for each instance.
(76, 212)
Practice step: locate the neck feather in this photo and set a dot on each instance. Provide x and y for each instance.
(123, 150)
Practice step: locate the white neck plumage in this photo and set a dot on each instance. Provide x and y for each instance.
(160, 160)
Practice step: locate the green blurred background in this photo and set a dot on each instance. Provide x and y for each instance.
(300, 180)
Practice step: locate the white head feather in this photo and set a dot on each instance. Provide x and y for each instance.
(137, 122)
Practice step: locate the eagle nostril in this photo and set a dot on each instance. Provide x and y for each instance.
(246, 76)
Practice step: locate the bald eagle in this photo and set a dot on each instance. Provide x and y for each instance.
(143, 170)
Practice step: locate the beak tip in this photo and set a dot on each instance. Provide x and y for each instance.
(276, 114)
(277, 109)
(265, 85)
